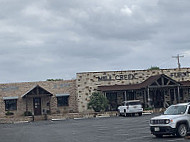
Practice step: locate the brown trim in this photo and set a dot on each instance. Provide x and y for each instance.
(145, 84)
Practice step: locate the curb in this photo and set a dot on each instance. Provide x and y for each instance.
(18, 122)
(58, 119)
(146, 113)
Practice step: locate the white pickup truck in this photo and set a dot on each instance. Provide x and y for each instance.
(174, 121)
(131, 107)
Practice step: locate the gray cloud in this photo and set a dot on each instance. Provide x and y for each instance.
(56, 39)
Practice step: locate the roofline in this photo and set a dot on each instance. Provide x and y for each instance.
(36, 82)
(24, 95)
(130, 70)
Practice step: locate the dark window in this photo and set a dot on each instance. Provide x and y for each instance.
(10, 105)
(135, 103)
(63, 101)
(172, 95)
(112, 99)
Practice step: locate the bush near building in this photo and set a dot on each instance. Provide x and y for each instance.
(98, 102)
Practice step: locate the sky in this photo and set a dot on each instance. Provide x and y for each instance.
(55, 39)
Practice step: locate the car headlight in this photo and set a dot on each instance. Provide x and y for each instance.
(167, 121)
(151, 121)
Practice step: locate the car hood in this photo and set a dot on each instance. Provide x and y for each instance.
(166, 117)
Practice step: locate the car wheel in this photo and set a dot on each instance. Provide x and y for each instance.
(159, 135)
(125, 114)
(182, 130)
(140, 113)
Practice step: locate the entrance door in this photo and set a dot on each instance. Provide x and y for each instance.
(158, 99)
(37, 106)
(112, 98)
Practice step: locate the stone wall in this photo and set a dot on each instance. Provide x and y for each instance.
(88, 82)
(54, 87)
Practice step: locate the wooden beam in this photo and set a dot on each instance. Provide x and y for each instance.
(157, 83)
(168, 82)
(162, 83)
(163, 86)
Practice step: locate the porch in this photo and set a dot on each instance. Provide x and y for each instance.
(158, 91)
(38, 101)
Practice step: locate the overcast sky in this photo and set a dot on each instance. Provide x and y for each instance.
(42, 39)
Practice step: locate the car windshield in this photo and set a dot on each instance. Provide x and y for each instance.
(175, 110)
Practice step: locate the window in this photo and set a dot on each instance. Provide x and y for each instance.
(63, 101)
(10, 105)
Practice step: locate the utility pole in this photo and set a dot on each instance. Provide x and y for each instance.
(177, 57)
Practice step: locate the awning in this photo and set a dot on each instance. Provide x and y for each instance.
(62, 95)
(10, 98)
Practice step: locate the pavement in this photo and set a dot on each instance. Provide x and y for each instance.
(100, 129)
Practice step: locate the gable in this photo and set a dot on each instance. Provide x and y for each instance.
(164, 81)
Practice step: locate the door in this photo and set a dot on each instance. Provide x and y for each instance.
(37, 106)
(159, 99)
(112, 98)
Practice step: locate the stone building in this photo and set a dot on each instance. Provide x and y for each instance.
(154, 88)
(38, 97)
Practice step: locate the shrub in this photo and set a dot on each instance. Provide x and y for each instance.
(98, 102)
(148, 108)
(9, 113)
(154, 68)
(27, 113)
(48, 111)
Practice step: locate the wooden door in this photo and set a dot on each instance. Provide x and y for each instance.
(37, 106)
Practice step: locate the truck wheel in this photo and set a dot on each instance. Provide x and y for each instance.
(159, 135)
(140, 113)
(181, 130)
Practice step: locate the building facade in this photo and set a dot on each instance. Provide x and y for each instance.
(154, 88)
(38, 97)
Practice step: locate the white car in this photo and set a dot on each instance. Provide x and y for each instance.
(131, 107)
(174, 121)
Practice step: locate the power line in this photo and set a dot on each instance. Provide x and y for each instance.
(178, 62)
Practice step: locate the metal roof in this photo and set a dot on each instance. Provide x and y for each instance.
(62, 95)
(10, 98)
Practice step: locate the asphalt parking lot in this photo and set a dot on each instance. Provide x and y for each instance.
(111, 129)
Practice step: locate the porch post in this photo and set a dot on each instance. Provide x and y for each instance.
(148, 91)
(26, 103)
(178, 93)
(145, 99)
(175, 97)
(125, 95)
(104, 94)
(50, 104)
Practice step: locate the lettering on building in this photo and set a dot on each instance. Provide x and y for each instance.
(180, 74)
(11, 88)
(105, 78)
(117, 77)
